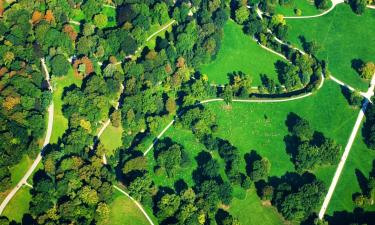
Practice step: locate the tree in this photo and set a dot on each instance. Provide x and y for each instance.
(167, 206)
(278, 19)
(100, 20)
(228, 94)
(242, 14)
(358, 6)
(60, 65)
(367, 70)
(116, 118)
(322, 4)
(260, 169)
(302, 130)
(355, 98)
(170, 106)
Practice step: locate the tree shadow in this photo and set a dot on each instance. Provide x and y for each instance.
(357, 64)
(291, 120)
(318, 138)
(346, 92)
(180, 185)
(220, 216)
(362, 180)
(280, 67)
(303, 41)
(358, 216)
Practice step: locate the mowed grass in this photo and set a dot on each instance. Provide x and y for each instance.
(239, 52)
(60, 123)
(111, 138)
(124, 211)
(343, 36)
(307, 7)
(19, 205)
(360, 161)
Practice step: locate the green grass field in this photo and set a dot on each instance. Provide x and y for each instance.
(360, 158)
(60, 123)
(257, 213)
(306, 6)
(124, 211)
(19, 205)
(111, 138)
(239, 52)
(344, 36)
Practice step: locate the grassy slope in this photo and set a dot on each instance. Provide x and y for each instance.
(360, 158)
(344, 36)
(306, 6)
(19, 205)
(60, 123)
(124, 211)
(239, 52)
(111, 137)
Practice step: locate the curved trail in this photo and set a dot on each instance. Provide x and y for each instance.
(334, 3)
(234, 100)
(136, 202)
(47, 138)
(348, 146)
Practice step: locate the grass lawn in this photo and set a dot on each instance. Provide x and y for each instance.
(111, 137)
(19, 170)
(360, 159)
(111, 14)
(19, 205)
(238, 52)
(343, 36)
(60, 123)
(306, 6)
(251, 205)
(124, 211)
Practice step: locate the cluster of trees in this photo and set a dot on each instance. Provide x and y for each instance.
(72, 187)
(309, 148)
(368, 131)
(232, 158)
(169, 157)
(24, 96)
(295, 196)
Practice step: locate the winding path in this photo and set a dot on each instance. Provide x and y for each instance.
(234, 100)
(348, 146)
(47, 138)
(334, 3)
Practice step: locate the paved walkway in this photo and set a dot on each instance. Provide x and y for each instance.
(47, 138)
(348, 146)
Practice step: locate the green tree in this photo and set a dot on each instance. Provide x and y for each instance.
(367, 70)
(167, 206)
(242, 14)
(100, 20)
(228, 94)
(260, 169)
(60, 65)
